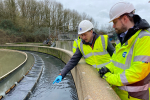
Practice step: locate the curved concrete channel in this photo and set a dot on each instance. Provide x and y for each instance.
(24, 87)
(37, 84)
(45, 90)
(88, 83)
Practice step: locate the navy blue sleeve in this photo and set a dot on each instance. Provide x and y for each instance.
(71, 63)
(110, 48)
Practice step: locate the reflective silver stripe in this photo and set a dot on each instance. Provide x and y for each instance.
(135, 88)
(124, 79)
(142, 58)
(76, 41)
(88, 55)
(115, 52)
(117, 42)
(100, 53)
(81, 46)
(147, 31)
(74, 47)
(94, 66)
(95, 53)
(144, 33)
(100, 66)
(103, 42)
(120, 65)
(126, 43)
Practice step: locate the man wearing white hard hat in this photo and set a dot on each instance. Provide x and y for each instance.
(96, 50)
(129, 69)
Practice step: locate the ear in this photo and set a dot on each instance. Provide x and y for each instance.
(91, 31)
(125, 19)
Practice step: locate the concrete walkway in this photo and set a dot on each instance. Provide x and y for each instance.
(9, 60)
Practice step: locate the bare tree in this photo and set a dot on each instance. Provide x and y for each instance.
(10, 9)
(2, 10)
(67, 17)
(45, 13)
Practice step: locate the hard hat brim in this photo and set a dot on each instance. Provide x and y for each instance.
(84, 31)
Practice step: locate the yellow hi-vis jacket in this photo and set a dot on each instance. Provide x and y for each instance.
(75, 44)
(130, 67)
(98, 56)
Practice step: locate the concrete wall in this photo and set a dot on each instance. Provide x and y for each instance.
(88, 83)
(67, 45)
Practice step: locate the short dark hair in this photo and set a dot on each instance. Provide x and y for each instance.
(129, 15)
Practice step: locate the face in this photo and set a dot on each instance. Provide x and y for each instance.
(87, 36)
(119, 25)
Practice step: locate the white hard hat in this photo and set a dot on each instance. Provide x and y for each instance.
(119, 9)
(84, 26)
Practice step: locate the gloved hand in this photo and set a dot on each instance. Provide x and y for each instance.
(58, 79)
(103, 71)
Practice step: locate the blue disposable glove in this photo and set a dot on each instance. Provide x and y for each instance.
(58, 79)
